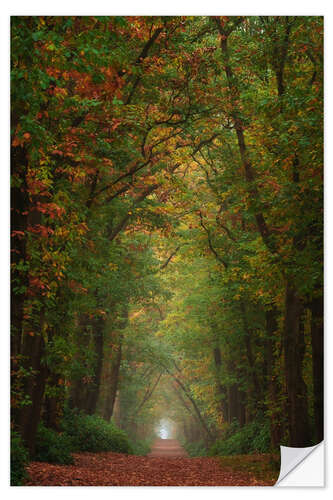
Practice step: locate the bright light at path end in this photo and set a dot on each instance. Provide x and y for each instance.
(163, 433)
(165, 428)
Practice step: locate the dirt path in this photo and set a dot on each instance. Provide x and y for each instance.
(167, 465)
(167, 448)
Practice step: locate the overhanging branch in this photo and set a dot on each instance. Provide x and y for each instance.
(212, 249)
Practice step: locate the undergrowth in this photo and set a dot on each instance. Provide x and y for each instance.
(251, 438)
(19, 458)
(196, 449)
(53, 447)
(93, 433)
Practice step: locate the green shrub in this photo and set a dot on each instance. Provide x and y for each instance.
(262, 439)
(140, 447)
(53, 447)
(231, 428)
(252, 438)
(92, 433)
(197, 449)
(19, 458)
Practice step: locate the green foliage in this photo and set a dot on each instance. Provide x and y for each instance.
(252, 438)
(18, 460)
(197, 449)
(140, 447)
(92, 433)
(53, 447)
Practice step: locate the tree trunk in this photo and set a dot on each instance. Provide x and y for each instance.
(221, 390)
(293, 343)
(317, 341)
(33, 350)
(273, 385)
(19, 278)
(250, 357)
(29, 416)
(53, 405)
(51, 412)
(19, 203)
(93, 389)
(79, 391)
(113, 383)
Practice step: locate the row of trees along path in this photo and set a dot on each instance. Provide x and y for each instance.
(166, 225)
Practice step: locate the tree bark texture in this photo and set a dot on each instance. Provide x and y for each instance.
(317, 342)
(294, 347)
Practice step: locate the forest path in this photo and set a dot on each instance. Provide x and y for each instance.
(117, 469)
(167, 448)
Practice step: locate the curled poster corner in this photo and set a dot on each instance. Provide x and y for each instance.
(302, 466)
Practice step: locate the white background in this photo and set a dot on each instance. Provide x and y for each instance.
(146, 7)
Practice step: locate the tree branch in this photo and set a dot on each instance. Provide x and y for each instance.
(204, 143)
(141, 57)
(148, 394)
(210, 242)
(123, 223)
(164, 265)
